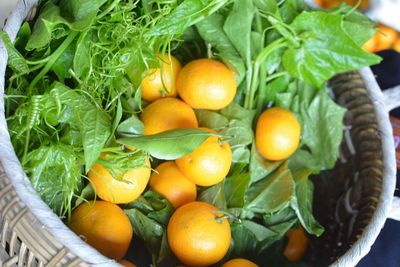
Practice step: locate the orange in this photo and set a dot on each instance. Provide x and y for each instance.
(166, 114)
(127, 263)
(119, 190)
(277, 134)
(196, 236)
(155, 85)
(209, 163)
(370, 45)
(206, 84)
(239, 263)
(104, 226)
(396, 45)
(385, 37)
(170, 182)
(297, 244)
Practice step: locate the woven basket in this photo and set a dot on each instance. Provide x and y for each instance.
(352, 201)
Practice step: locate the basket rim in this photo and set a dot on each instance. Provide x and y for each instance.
(363, 245)
(13, 168)
(67, 238)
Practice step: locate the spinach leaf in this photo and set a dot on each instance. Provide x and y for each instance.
(235, 188)
(260, 167)
(64, 63)
(211, 30)
(186, 14)
(358, 26)
(302, 203)
(325, 50)
(240, 21)
(48, 20)
(15, 60)
(168, 145)
(271, 193)
(80, 10)
(131, 126)
(214, 195)
(55, 173)
(153, 234)
(93, 123)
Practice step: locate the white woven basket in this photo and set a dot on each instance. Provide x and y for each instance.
(72, 242)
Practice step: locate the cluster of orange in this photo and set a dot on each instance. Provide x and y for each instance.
(384, 38)
(198, 233)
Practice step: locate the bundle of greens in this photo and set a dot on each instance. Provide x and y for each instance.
(73, 92)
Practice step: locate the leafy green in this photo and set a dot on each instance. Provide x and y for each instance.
(272, 193)
(302, 203)
(15, 60)
(235, 188)
(131, 126)
(168, 145)
(261, 167)
(325, 50)
(214, 195)
(55, 173)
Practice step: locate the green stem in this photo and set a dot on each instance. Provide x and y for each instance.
(249, 101)
(108, 9)
(52, 60)
(265, 80)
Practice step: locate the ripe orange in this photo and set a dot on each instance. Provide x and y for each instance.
(166, 114)
(196, 236)
(334, 3)
(385, 37)
(370, 45)
(156, 85)
(396, 45)
(297, 244)
(209, 163)
(206, 84)
(277, 134)
(104, 226)
(119, 190)
(239, 263)
(170, 182)
(127, 263)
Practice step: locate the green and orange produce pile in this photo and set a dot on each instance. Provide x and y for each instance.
(187, 129)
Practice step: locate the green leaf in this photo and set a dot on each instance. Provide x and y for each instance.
(260, 167)
(211, 30)
(78, 10)
(168, 145)
(240, 21)
(302, 203)
(326, 50)
(235, 188)
(87, 194)
(153, 234)
(55, 173)
(131, 126)
(214, 195)
(93, 123)
(359, 27)
(64, 63)
(211, 119)
(117, 117)
(236, 111)
(15, 60)
(188, 13)
(81, 62)
(272, 193)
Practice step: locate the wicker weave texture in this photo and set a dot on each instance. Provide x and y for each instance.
(24, 240)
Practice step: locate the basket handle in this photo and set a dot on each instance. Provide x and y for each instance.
(395, 210)
(392, 98)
